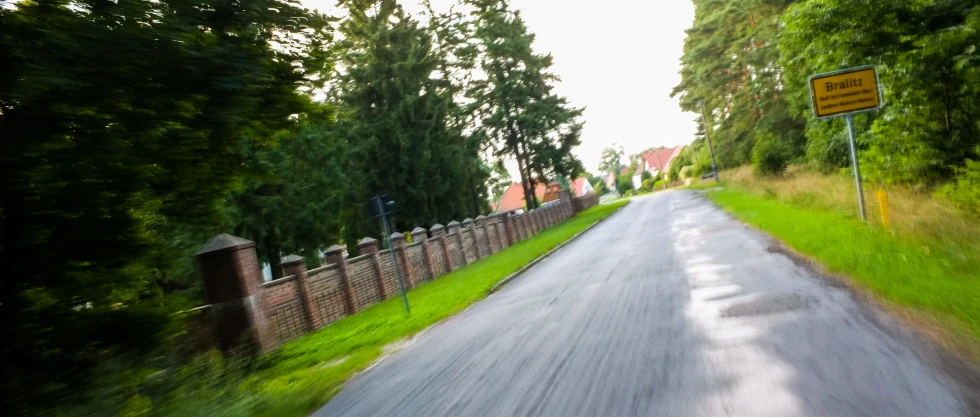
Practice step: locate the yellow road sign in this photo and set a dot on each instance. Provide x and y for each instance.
(842, 92)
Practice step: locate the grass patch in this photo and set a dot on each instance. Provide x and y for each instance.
(303, 375)
(936, 276)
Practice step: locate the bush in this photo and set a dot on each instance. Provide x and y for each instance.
(965, 190)
(769, 156)
(686, 172)
(624, 184)
(658, 185)
(600, 187)
(646, 175)
(648, 184)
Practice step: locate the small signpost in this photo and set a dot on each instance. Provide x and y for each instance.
(381, 206)
(843, 93)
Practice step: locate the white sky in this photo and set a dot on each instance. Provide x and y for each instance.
(618, 58)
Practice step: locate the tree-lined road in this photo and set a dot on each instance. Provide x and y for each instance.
(668, 308)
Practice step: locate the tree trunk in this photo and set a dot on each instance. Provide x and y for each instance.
(528, 190)
(530, 176)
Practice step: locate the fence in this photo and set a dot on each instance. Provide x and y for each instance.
(244, 309)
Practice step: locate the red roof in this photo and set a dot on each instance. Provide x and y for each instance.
(513, 198)
(579, 186)
(654, 159)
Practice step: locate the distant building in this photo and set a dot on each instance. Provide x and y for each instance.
(513, 198)
(658, 161)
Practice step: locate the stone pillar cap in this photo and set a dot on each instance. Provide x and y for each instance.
(291, 259)
(467, 220)
(225, 241)
(453, 223)
(334, 249)
(418, 230)
(367, 241)
(437, 226)
(397, 235)
(481, 217)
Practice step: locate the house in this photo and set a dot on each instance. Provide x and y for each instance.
(581, 187)
(513, 198)
(659, 160)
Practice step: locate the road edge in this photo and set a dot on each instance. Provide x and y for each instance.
(516, 274)
(962, 374)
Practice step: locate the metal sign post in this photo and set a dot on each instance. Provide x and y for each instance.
(843, 93)
(857, 167)
(711, 149)
(380, 204)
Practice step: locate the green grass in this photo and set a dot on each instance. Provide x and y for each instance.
(902, 269)
(302, 375)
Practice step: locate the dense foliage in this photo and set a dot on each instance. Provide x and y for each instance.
(749, 61)
(133, 131)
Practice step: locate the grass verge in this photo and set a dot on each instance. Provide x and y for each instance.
(303, 375)
(937, 281)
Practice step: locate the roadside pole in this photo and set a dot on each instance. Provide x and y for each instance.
(711, 149)
(857, 167)
(663, 176)
(380, 205)
(843, 93)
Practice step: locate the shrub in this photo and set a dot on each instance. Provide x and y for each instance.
(686, 172)
(600, 187)
(648, 184)
(659, 184)
(646, 175)
(769, 156)
(624, 183)
(964, 191)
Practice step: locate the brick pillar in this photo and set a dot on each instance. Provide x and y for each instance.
(438, 232)
(526, 224)
(508, 223)
(518, 222)
(335, 255)
(232, 279)
(419, 234)
(532, 217)
(456, 233)
(471, 230)
(369, 246)
(398, 245)
(498, 222)
(481, 221)
(565, 202)
(295, 265)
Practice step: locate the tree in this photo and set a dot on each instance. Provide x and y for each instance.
(624, 184)
(399, 123)
(730, 62)
(520, 116)
(101, 158)
(611, 159)
(295, 201)
(500, 181)
(924, 53)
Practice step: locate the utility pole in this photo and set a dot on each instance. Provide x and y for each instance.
(663, 175)
(711, 149)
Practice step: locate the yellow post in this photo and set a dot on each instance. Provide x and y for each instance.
(883, 205)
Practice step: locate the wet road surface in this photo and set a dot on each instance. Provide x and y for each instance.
(668, 308)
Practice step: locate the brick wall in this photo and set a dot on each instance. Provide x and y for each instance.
(289, 307)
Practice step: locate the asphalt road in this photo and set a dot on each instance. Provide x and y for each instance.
(669, 308)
